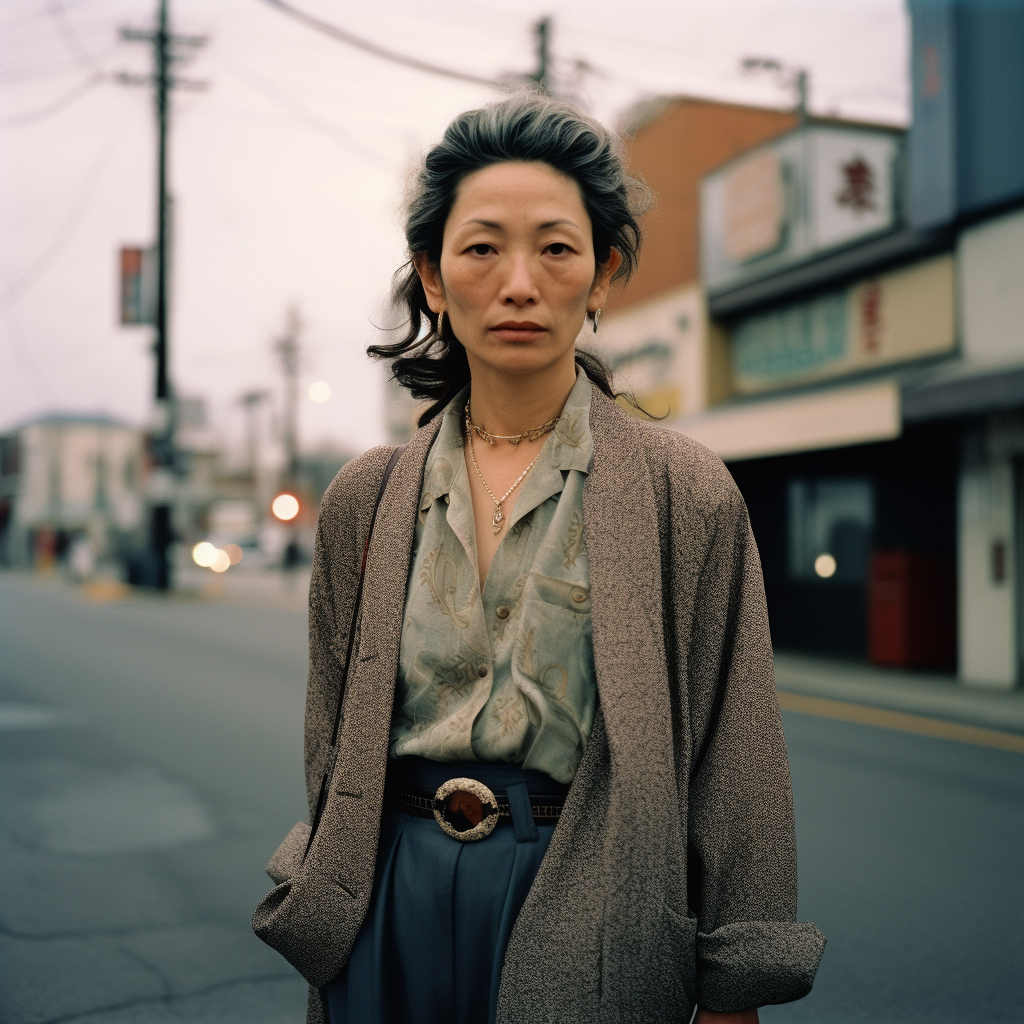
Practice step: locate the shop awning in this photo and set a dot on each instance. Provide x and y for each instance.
(964, 390)
(829, 418)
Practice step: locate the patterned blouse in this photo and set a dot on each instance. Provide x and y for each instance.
(506, 675)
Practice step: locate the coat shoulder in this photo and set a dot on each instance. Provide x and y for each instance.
(356, 481)
(685, 465)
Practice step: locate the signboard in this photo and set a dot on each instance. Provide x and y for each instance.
(852, 190)
(897, 317)
(138, 286)
(656, 351)
(812, 190)
(754, 206)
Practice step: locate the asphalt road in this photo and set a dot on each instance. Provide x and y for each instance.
(150, 760)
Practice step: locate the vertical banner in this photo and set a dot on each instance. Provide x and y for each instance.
(138, 286)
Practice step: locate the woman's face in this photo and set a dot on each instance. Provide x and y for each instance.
(517, 272)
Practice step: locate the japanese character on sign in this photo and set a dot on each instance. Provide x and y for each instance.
(858, 185)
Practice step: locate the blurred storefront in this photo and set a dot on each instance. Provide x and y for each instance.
(864, 361)
(852, 345)
(75, 493)
(71, 491)
(655, 332)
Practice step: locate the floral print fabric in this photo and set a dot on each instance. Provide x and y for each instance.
(505, 675)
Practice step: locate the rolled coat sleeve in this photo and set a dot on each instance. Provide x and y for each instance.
(751, 951)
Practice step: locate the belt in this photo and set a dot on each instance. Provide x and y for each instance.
(467, 809)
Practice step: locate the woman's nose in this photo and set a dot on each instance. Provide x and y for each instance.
(519, 288)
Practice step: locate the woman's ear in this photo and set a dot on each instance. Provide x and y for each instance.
(430, 278)
(602, 280)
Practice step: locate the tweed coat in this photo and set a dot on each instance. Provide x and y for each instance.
(671, 876)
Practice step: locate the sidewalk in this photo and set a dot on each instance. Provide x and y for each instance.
(253, 587)
(931, 696)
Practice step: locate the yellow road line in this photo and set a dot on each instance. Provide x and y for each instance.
(822, 707)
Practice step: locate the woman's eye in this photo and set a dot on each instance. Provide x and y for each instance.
(558, 248)
(480, 249)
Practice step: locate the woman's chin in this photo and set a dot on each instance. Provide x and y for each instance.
(521, 359)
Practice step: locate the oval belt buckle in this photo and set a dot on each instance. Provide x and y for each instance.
(466, 809)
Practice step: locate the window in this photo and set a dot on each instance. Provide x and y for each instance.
(831, 520)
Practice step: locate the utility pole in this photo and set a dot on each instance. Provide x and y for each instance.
(251, 401)
(162, 83)
(288, 350)
(801, 94)
(790, 77)
(163, 453)
(542, 76)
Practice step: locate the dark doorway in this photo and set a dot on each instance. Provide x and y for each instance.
(817, 516)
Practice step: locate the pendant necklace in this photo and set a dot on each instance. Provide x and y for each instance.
(499, 517)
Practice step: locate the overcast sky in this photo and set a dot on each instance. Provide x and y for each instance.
(288, 170)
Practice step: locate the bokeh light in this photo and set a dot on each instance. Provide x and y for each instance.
(320, 391)
(203, 554)
(285, 507)
(825, 565)
(234, 552)
(221, 561)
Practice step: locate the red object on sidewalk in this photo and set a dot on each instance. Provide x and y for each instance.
(912, 610)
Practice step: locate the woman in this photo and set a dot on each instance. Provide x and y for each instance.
(559, 790)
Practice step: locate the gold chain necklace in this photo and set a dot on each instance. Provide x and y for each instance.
(499, 517)
(527, 435)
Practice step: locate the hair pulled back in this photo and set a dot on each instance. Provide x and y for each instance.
(520, 128)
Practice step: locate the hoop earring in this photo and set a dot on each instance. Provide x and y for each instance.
(440, 324)
(597, 317)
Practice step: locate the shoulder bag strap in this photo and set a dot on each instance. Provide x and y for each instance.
(395, 456)
(332, 756)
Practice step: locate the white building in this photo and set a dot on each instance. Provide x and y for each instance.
(72, 477)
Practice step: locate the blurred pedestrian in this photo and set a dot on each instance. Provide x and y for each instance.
(82, 558)
(556, 786)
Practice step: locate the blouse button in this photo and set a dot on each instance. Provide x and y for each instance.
(579, 595)
(503, 611)
(482, 671)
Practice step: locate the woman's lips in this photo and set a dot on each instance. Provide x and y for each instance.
(519, 330)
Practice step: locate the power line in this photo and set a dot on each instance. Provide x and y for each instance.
(344, 36)
(66, 232)
(25, 355)
(28, 19)
(56, 106)
(69, 37)
(301, 112)
(51, 71)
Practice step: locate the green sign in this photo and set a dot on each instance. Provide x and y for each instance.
(790, 343)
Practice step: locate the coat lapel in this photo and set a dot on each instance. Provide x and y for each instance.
(622, 540)
(625, 780)
(387, 568)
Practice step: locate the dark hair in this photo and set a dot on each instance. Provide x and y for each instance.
(520, 128)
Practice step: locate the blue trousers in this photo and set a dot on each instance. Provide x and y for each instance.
(431, 948)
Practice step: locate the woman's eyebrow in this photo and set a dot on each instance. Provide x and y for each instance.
(540, 227)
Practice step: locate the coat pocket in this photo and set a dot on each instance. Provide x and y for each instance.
(288, 856)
